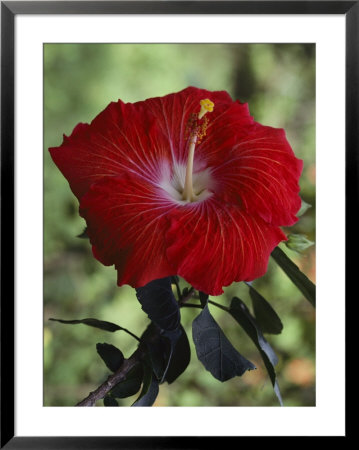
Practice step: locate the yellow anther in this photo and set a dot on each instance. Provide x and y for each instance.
(206, 106)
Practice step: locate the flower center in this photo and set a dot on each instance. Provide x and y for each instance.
(198, 125)
(173, 181)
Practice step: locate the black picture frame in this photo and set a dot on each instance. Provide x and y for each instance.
(9, 10)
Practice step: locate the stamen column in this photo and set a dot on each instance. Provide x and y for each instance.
(188, 194)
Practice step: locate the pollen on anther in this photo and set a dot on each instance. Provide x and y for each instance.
(202, 130)
(191, 126)
(197, 123)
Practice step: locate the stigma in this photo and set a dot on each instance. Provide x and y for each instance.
(196, 132)
(206, 106)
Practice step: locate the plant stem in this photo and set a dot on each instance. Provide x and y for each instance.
(191, 305)
(218, 305)
(185, 299)
(131, 334)
(194, 305)
(179, 294)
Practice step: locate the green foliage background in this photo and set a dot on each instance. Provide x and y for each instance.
(278, 81)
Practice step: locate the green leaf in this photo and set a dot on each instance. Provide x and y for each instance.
(215, 351)
(267, 319)
(112, 356)
(101, 324)
(109, 401)
(241, 314)
(150, 389)
(131, 385)
(302, 282)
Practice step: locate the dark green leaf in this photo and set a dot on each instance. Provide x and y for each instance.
(180, 359)
(156, 349)
(131, 385)
(241, 314)
(159, 349)
(215, 351)
(149, 389)
(302, 282)
(266, 317)
(109, 401)
(159, 303)
(101, 324)
(112, 356)
(84, 234)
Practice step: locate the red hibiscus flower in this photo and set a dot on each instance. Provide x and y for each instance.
(185, 184)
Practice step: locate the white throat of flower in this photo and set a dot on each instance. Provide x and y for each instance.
(197, 132)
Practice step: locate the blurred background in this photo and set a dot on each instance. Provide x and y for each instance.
(80, 80)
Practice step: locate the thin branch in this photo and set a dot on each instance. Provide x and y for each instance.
(191, 305)
(115, 378)
(131, 334)
(179, 294)
(185, 299)
(194, 305)
(218, 305)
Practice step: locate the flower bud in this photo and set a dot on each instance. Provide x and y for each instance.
(298, 242)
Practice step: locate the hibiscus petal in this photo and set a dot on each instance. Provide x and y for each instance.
(133, 138)
(172, 114)
(225, 129)
(121, 139)
(213, 244)
(261, 172)
(126, 219)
